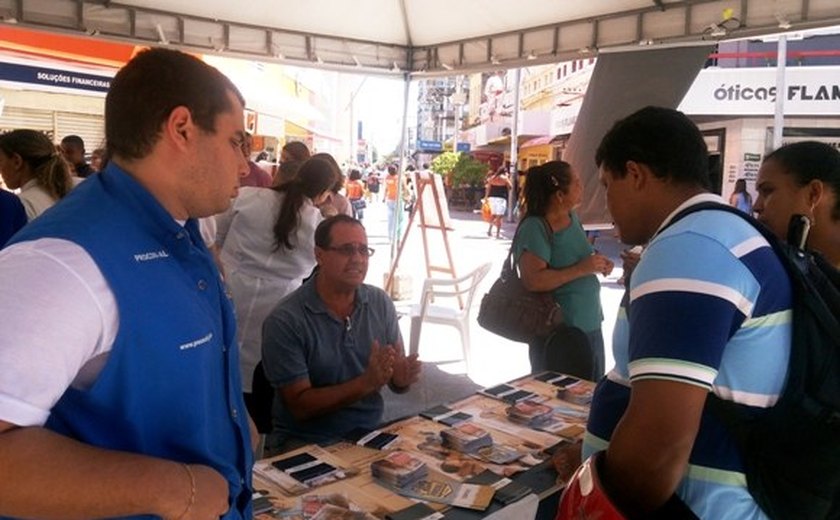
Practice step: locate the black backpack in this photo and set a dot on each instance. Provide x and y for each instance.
(791, 451)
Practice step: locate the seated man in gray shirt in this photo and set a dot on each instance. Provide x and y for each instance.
(330, 346)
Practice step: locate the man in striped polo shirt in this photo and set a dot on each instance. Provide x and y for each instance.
(709, 310)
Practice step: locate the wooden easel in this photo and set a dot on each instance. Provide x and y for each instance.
(429, 188)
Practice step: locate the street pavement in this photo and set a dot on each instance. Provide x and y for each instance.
(494, 359)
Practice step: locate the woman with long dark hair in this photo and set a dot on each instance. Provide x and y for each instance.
(30, 162)
(267, 248)
(335, 203)
(554, 255)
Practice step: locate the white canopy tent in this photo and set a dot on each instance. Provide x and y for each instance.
(417, 36)
(411, 39)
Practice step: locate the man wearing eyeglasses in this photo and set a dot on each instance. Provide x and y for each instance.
(331, 345)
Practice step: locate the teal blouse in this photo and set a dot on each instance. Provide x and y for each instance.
(580, 298)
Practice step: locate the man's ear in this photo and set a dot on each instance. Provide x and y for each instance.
(638, 174)
(180, 127)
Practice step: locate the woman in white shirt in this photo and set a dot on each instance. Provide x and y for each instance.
(267, 248)
(30, 162)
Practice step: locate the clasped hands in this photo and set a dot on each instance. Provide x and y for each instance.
(597, 263)
(389, 364)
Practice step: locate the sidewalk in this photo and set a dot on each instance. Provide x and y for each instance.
(494, 359)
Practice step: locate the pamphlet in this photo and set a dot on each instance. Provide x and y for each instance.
(418, 511)
(507, 491)
(298, 473)
(466, 437)
(375, 439)
(556, 379)
(508, 393)
(436, 487)
(445, 415)
(398, 468)
(577, 393)
(321, 507)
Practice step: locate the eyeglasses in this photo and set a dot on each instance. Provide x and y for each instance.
(349, 249)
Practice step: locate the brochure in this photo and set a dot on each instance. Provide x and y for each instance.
(435, 487)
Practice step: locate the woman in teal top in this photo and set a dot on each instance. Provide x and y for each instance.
(563, 263)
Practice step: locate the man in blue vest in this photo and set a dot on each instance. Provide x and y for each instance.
(119, 382)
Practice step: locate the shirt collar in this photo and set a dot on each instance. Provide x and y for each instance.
(313, 302)
(696, 199)
(31, 183)
(142, 201)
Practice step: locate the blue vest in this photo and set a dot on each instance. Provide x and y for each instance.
(171, 386)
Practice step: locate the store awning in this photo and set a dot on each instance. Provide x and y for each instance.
(505, 140)
(537, 141)
(299, 130)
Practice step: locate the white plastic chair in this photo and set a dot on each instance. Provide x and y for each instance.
(458, 294)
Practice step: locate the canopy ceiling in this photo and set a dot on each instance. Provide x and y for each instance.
(423, 37)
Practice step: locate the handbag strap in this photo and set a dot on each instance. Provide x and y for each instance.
(508, 267)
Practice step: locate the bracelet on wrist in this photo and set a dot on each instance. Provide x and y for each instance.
(192, 491)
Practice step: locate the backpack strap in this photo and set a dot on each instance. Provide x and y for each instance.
(808, 272)
(702, 206)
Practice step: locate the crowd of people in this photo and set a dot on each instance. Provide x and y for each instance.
(146, 295)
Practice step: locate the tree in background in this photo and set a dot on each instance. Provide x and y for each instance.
(464, 176)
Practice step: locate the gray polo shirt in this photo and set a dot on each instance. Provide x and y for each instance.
(303, 339)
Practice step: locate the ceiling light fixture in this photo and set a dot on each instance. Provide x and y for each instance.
(446, 66)
(494, 60)
(531, 56)
(356, 61)
(396, 68)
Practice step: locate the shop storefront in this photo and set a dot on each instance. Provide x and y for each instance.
(734, 108)
(53, 97)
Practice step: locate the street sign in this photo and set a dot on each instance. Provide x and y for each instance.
(429, 146)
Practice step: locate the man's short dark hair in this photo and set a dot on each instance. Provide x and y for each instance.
(324, 229)
(75, 141)
(663, 139)
(146, 90)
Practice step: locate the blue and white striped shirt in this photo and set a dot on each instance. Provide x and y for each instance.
(710, 305)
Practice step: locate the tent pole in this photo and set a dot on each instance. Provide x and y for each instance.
(394, 234)
(779, 114)
(514, 144)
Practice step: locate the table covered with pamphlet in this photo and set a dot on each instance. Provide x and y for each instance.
(485, 456)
